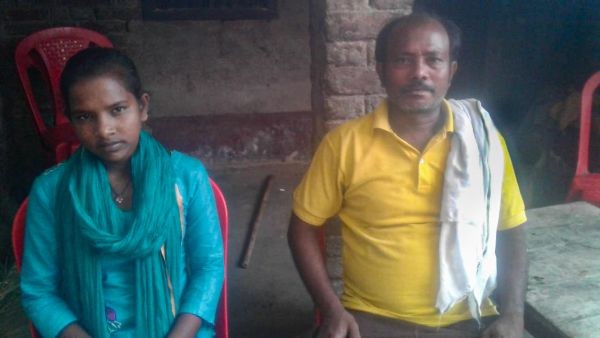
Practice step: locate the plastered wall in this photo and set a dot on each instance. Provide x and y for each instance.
(213, 67)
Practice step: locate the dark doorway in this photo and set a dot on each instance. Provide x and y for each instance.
(513, 50)
(522, 59)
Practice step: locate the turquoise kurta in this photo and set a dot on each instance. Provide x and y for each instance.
(202, 275)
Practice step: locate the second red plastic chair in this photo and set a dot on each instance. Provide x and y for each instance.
(47, 51)
(586, 185)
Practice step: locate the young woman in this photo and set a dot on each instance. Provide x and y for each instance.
(123, 239)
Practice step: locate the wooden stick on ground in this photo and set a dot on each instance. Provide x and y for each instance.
(251, 237)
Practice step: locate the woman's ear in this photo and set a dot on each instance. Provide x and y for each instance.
(144, 103)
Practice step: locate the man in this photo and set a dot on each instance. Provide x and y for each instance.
(420, 214)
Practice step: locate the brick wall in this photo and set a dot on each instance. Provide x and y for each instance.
(343, 41)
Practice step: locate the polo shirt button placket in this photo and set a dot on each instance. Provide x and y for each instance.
(420, 174)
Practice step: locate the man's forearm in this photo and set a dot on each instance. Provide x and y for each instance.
(512, 270)
(304, 244)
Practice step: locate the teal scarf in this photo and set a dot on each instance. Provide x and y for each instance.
(87, 212)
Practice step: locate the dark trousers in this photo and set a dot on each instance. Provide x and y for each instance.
(374, 326)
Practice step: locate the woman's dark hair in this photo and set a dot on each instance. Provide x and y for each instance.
(383, 39)
(97, 61)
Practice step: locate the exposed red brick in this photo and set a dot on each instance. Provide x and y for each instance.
(238, 137)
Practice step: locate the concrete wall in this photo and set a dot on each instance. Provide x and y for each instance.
(210, 67)
(345, 83)
(191, 67)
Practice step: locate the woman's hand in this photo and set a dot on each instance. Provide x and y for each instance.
(186, 326)
(74, 330)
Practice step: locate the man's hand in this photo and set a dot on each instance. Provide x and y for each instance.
(512, 281)
(304, 244)
(338, 323)
(506, 326)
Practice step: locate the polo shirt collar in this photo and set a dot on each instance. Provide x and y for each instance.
(380, 117)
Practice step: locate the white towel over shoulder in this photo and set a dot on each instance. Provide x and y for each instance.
(470, 209)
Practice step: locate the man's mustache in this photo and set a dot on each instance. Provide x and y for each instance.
(418, 86)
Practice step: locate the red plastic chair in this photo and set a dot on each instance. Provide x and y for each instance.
(47, 51)
(585, 185)
(222, 321)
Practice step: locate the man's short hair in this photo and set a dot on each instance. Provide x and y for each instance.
(414, 19)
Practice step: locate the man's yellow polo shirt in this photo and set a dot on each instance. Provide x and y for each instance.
(387, 194)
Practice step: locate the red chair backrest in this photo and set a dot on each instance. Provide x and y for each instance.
(222, 323)
(585, 124)
(18, 233)
(585, 185)
(47, 51)
(222, 320)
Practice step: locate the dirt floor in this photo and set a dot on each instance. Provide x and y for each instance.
(267, 299)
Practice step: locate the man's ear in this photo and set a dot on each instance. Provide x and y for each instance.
(453, 69)
(379, 66)
(144, 103)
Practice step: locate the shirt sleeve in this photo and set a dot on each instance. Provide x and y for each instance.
(320, 193)
(40, 274)
(512, 208)
(203, 249)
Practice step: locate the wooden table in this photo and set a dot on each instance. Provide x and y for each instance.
(563, 297)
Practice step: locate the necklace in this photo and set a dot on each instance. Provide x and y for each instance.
(120, 197)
